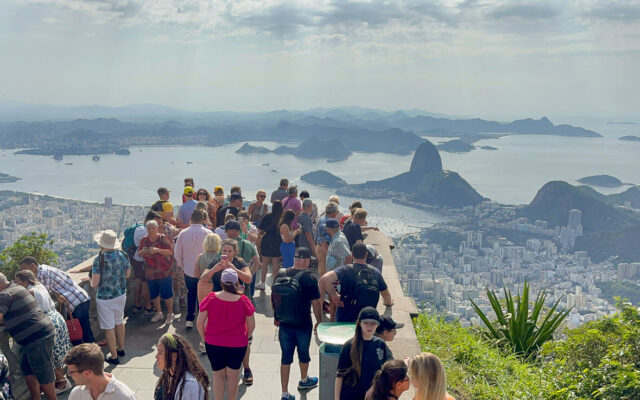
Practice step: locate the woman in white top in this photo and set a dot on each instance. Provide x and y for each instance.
(62, 343)
(183, 377)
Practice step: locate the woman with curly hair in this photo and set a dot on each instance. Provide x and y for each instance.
(183, 377)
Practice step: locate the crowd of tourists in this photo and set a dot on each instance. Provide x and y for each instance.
(210, 257)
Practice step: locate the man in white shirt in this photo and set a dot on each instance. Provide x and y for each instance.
(85, 364)
(188, 248)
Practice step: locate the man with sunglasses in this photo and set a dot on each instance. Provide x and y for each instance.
(85, 365)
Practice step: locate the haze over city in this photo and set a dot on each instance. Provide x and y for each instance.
(473, 58)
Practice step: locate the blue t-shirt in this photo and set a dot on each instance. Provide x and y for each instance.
(113, 278)
(322, 235)
(186, 210)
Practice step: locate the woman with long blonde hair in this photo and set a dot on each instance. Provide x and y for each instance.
(428, 377)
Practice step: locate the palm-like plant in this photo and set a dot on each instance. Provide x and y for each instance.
(516, 327)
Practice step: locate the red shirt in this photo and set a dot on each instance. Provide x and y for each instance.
(157, 265)
(226, 320)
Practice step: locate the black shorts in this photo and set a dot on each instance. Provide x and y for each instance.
(225, 357)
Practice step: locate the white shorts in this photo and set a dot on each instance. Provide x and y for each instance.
(111, 312)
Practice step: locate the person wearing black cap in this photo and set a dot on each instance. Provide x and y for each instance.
(293, 294)
(361, 285)
(360, 358)
(235, 203)
(388, 328)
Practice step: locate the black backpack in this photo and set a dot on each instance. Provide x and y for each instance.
(366, 291)
(287, 298)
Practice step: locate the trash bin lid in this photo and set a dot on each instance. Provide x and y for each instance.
(336, 332)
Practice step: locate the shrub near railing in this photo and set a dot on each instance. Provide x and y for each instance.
(598, 360)
(475, 369)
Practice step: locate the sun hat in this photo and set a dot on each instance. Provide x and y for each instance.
(188, 190)
(107, 239)
(218, 189)
(235, 196)
(229, 276)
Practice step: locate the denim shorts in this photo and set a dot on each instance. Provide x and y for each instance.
(162, 287)
(290, 338)
(37, 359)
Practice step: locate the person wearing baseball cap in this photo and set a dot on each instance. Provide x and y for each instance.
(292, 335)
(235, 204)
(186, 209)
(226, 321)
(388, 328)
(355, 374)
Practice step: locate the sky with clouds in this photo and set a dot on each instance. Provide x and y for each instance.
(472, 57)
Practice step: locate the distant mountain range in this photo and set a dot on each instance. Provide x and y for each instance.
(333, 150)
(59, 130)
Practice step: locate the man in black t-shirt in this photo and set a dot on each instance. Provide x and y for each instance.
(235, 204)
(349, 302)
(353, 229)
(298, 334)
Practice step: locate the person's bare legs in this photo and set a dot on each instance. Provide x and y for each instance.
(49, 391)
(120, 331)
(265, 268)
(218, 384)
(34, 386)
(304, 370)
(145, 295)
(110, 336)
(275, 267)
(321, 257)
(169, 303)
(232, 383)
(284, 377)
(156, 304)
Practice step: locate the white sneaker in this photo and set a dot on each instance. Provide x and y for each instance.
(189, 324)
(170, 318)
(202, 348)
(157, 317)
(260, 286)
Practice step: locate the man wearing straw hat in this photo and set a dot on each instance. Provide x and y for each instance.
(109, 274)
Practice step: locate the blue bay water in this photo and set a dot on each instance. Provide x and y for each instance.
(512, 174)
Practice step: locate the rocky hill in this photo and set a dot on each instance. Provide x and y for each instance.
(323, 178)
(601, 180)
(554, 200)
(425, 183)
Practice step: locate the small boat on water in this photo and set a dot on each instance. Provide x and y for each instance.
(96, 158)
(68, 163)
(266, 164)
(189, 162)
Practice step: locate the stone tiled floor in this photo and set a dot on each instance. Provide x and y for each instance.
(138, 369)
